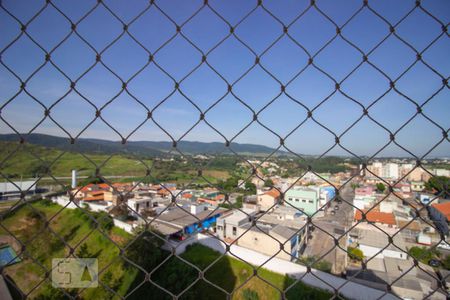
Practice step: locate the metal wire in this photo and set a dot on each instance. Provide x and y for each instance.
(203, 117)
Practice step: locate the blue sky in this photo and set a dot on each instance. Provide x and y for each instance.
(232, 59)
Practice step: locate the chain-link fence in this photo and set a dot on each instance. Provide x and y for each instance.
(149, 256)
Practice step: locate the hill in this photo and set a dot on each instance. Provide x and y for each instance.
(141, 148)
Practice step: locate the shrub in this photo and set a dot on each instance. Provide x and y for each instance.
(322, 265)
(249, 294)
(423, 254)
(446, 262)
(355, 253)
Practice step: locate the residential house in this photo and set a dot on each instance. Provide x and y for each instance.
(268, 199)
(281, 232)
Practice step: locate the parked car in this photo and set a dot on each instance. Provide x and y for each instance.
(336, 207)
(332, 212)
(434, 263)
(444, 245)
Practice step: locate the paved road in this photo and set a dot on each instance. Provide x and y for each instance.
(322, 241)
(344, 215)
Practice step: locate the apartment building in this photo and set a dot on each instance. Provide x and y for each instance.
(304, 198)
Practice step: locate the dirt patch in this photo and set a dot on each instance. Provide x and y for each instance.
(7, 239)
(117, 239)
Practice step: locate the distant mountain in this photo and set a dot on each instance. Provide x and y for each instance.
(145, 148)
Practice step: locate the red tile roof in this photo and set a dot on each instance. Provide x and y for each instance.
(94, 198)
(219, 197)
(377, 217)
(273, 192)
(100, 186)
(444, 208)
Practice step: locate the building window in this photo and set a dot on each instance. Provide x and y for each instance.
(290, 199)
(303, 200)
(310, 201)
(234, 230)
(296, 200)
(219, 228)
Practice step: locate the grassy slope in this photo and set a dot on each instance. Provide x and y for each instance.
(228, 273)
(73, 227)
(43, 246)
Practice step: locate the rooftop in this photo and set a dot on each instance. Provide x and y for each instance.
(237, 215)
(378, 239)
(377, 217)
(178, 216)
(273, 193)
(444, 208)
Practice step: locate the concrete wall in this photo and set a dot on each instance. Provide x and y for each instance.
(94, 207)
(370, 251)
(63, 201)
(125, 226)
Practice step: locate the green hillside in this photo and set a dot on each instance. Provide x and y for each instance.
(28, 161)
(76, 229)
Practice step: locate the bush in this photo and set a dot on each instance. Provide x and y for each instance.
(83, 251)
(355, 253)
(422, 254)
(322, 265)
(446, 262)
(249, 294)
(380, 187)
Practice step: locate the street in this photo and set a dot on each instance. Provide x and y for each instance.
(329, 227)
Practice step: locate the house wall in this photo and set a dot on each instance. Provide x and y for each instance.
(266, 201)
(224, 227)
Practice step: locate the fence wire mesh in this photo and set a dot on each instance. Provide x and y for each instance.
(149, 233)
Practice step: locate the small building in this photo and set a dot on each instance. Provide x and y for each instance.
(268, 199)
(139, 205)
(280, 225)
(227, 225)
